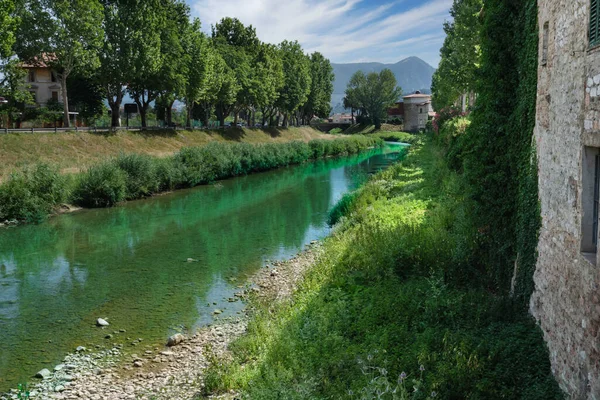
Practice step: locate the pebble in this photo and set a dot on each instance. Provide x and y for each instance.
(102, 322)
(44, 374)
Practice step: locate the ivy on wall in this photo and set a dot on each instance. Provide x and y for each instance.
(497, 153)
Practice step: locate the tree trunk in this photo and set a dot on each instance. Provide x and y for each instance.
(188, 122)
(115, 115)
(63, 84)
(285, 120)
(170, 112)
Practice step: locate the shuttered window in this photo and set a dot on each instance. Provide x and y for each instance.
(595, 23)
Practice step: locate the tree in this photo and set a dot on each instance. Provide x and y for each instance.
(86, 95)
(297, 81)
(8, 22)
(460, 54)
(173, 71)
(65, 35)
(319, 99)
(145, 84)
(238, 46)
(373, 94)
(267, 80)
(205, 71)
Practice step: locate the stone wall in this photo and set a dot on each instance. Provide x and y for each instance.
(566, 301)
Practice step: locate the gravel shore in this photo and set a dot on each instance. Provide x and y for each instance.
(166, 372)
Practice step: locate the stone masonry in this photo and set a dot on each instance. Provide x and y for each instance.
(566, 301)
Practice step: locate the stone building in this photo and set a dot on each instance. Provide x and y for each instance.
(417, 111)
(566, 301)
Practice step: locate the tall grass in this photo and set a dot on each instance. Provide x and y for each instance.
(33, 193)
(394, 291)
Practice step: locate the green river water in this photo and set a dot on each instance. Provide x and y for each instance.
(128, 264)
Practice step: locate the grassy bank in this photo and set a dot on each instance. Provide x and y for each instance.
(393, 310)
(34, 192)
(71, 152)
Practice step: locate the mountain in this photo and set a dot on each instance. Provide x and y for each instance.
(412, 74)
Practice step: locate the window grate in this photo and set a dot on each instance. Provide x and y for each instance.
(596, 202)
(594, 23)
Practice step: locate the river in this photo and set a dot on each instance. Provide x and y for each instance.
(129, 264)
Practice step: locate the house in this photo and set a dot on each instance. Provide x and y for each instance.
(42, 83)
(417, 111)
(342, 118)
(566, 299)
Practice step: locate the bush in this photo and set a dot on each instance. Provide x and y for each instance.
(33, 193)
(140, 172)
(341, 208)
(102, 185)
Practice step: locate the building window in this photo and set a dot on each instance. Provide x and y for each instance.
(31, 75)
(594, 23)
(55, 95)
(590, 202)
(420, 111)
(52, 76)
(545, 44)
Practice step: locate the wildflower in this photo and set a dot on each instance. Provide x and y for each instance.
(422, 368)
(433, 394)
(403, 376)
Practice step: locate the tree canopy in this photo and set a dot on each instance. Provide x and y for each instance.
(155, 52)
(372, 94)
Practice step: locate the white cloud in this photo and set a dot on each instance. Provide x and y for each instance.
(343, 30)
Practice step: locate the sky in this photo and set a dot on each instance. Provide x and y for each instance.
(344, 31)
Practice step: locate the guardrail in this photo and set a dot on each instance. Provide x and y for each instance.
(120, 128)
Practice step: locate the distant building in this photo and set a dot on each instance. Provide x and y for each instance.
(342, 118)
(417, 111)
(42, 83)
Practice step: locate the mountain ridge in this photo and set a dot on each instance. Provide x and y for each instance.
(412, 73)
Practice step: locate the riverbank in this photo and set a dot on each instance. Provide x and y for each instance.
(393, 305)
(161, 372)
(75, 151)
(33, 193)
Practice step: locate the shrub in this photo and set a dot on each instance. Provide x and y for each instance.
(102, 185)
(140, 172)
(31, 194)
(341, 208)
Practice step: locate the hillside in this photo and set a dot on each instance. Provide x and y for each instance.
(412, 74)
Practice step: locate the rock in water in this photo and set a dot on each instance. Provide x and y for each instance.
(44, 374)
(102, 322)
(175, 340)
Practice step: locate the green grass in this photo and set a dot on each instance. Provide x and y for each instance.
(402, 137)
(33, 193)
(394, 292)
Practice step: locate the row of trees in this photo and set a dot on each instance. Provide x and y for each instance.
(155, 52)
(371, 95)
(461, 55)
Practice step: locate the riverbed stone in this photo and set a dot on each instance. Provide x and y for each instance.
(44, 374)
(102, 322)
(175, 340)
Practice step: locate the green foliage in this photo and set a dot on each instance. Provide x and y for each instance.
(372, 95)
(102, 185)
(33, 193)
(460, 54)
(341, 208)
(497, 153)
(393, 286)
(140, 172)
(401, 137)
(8, 22)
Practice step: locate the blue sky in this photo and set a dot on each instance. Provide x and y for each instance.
(343, 30)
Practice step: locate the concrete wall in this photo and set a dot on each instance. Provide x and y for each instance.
(566, 301)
